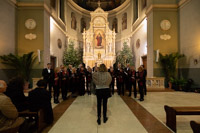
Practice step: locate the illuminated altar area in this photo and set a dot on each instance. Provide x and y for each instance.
(99, 40)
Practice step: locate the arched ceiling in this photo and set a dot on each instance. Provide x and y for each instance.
(106, 5)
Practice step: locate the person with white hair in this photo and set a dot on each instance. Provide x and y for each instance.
(8, 112)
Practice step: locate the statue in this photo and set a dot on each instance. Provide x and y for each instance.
(114, 25)
(73, 22)
(110, 47)
(124, 21)
(99, 39)
(88, 47)
(99, 55)
(83, 25)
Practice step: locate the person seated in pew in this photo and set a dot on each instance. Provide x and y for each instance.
(15, 91)
(8, 112)
(39, 98)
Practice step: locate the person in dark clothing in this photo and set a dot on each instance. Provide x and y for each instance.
(15, 91)
(89, 80)
(144, 83)
(140, 83)
(56, 85)
(95, 67)
(39, 98)
(64, 83)
(127, 72)
(47, 74)
(79, 68)
(120, 81)
(74, 79)
(69, 69)
(82, 76)
(112, 84)
(133, 81)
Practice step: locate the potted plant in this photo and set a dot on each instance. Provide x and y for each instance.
(23, 64)
(188, 86)
(168, 63)
(178, 84)
(182, 83)
(174, 83)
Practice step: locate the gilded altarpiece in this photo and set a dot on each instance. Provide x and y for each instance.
(99, 41)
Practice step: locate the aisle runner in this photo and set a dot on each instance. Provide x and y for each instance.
(81, 117)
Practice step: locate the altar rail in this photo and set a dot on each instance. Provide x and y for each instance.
(155, 82)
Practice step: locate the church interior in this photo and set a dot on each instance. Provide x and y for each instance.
(99, 29)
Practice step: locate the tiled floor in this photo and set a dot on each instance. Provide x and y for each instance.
(81, 117)
(125, 114)
(147, 119)
(155, 101)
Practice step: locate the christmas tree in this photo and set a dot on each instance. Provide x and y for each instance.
(72, 56)
(125, 56)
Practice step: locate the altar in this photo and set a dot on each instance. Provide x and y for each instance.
(99, 40)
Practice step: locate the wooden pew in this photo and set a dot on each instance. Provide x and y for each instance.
(38, 117)
(171, 113)
(14, 128)
(195, 126)
(11, 130)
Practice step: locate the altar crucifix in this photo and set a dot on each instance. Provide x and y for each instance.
(99, 3)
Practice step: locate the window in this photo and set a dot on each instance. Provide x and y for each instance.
(62, 10)
(144, 3)
(135, 10)
(53, 4)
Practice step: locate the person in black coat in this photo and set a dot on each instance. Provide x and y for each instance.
(95, 67)
(69, 69)
(127, 72)
(15, 91)
(89, 80)
(56, 85)
(74, 80)
(64, 83)
(48, 74)
(133, 81)
(144, 83)
(39, 98)
(112, 84)
(140, 79)
(82, 76)
(120, 81)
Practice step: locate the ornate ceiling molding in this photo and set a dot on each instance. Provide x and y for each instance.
(119, 9)
(25, 4)
(12, 2)
(167, 6)
(183, 3)
(160, 6)
(34, 4)
(111, 13)
(78, 9)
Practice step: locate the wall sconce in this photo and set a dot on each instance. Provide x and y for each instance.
(195, 61)
(157, 55)
(39, 59)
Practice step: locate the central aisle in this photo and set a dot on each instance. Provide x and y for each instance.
(81, 117)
